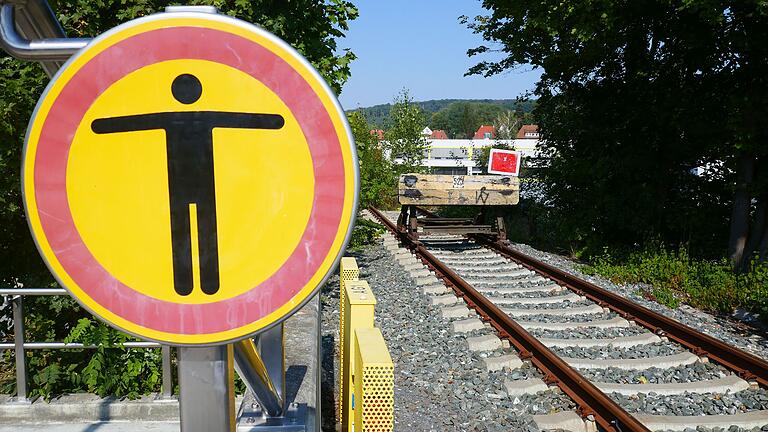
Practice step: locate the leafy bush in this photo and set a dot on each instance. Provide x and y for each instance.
(364, 233)
(674, 277)
(378, 182)
(110, 369)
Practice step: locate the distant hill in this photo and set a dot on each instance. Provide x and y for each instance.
(377, 114)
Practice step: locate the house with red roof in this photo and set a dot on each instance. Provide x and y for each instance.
(438, 134)
(378, 133)
(485, 132)
(529, 131)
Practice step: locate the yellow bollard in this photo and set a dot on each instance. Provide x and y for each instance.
(358, 313)
(374, 382)
(348, 271)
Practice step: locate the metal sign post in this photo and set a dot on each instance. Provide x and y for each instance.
(206, 389)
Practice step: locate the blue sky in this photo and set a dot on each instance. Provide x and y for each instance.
(420, 45)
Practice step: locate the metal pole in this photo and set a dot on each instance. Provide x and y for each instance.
(18, 338)
(167, 391)
(207, 389)
(319, 368)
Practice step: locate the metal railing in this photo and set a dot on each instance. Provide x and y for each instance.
(20, 346)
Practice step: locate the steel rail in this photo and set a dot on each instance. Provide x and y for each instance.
(747, 366)
(590, 400)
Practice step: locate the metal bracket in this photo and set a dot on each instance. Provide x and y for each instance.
(252, 418)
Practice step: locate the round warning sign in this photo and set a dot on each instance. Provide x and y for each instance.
(190, 178)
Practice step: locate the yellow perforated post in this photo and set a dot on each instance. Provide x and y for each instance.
(358, 313)
(374, 382)
(348, 271)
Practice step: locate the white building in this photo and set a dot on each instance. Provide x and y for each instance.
(457, 156)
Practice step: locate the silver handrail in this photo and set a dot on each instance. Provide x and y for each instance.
(39, 36)
(20, 346)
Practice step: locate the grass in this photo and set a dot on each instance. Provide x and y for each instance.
(673, 277)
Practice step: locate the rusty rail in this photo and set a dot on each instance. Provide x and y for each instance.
(589, 399)
(747, 366)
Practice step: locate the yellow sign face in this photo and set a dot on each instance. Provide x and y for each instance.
(189, 178)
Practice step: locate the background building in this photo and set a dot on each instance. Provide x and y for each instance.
(457, 156)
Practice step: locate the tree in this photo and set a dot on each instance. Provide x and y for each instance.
(462, 119)
(507, 124)
(377, 182)
(406, 145)
(312, 27)
(633, 97)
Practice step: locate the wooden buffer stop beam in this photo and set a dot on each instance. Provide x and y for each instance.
(453, 190)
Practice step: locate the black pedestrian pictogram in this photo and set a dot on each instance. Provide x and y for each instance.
(189, 149)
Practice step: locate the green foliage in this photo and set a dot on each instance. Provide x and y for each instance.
(404, 141)
(462, 119)
(672, 277)
(377, 115)
(377, 183)
(20, 85)
(757, 278)
(110, 369)
(364, 233)
(312, 27)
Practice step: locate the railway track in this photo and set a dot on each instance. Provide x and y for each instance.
(626, 368)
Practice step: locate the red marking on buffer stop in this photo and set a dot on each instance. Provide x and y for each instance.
(504, 162)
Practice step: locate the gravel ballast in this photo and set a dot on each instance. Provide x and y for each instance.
(609, 352)
(589, 332)
(682, 374)
(694, 404)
